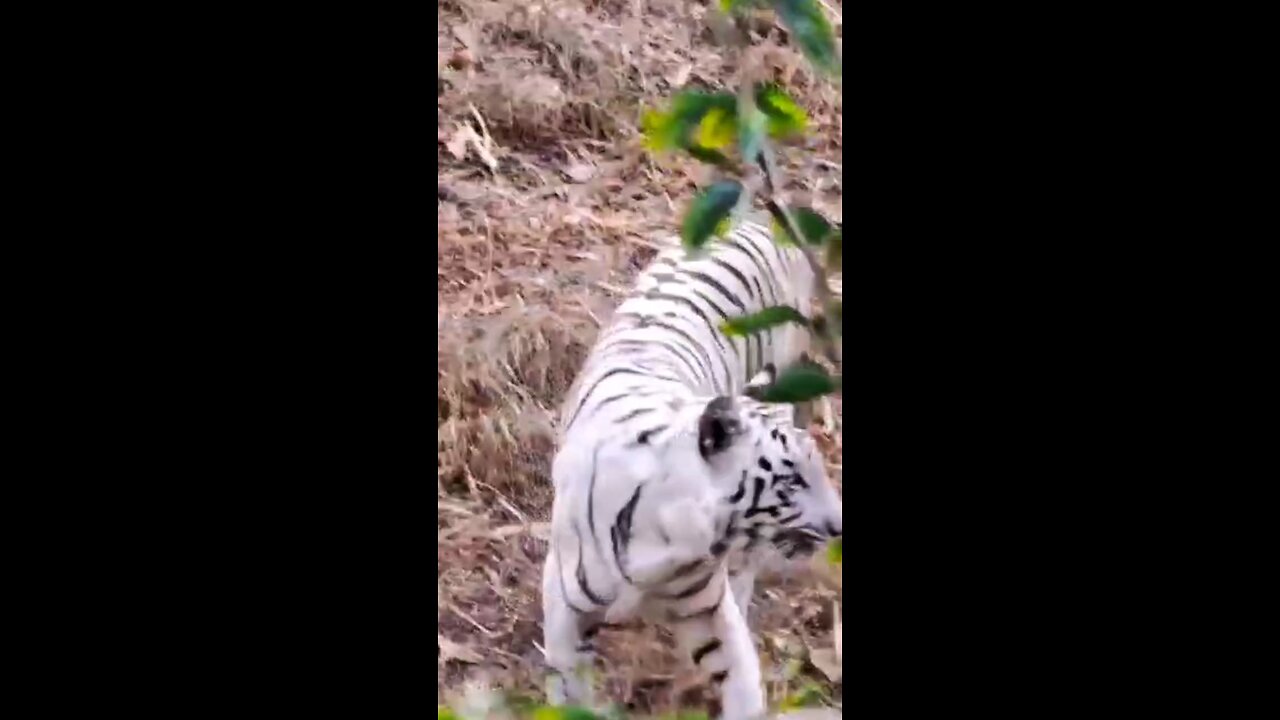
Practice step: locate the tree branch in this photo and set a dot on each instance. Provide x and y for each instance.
(830, 347)
(747, 72)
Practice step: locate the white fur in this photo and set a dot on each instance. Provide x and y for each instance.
(639, 510)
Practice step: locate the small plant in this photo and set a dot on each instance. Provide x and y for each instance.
(809, 695)
(736, 133)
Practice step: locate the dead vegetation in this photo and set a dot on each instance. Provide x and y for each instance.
(547, 206)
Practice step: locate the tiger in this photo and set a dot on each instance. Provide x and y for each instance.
(671, 482)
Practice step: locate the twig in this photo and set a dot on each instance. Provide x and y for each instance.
(829, 346)
(767, 163)
(458, 611)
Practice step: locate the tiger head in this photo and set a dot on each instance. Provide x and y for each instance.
(770, 472)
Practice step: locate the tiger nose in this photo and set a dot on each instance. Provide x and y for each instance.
(834, 528)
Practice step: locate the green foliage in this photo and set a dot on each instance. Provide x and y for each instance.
(708, 211)
(731, 6)
(811, 32)
(813, 226)
(681, 126)
(722, 228)
(711, 157)
(800, 382)
(716, 129)
(809, 695)
(785, 116)
(835, 551)
(704, 124)
(763, 320)
(444, 713)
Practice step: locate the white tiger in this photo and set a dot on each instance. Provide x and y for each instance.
(670, 483)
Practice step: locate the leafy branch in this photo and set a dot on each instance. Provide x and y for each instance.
(710, 126)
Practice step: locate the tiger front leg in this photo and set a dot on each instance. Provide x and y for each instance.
(719, 643)
(567, 636)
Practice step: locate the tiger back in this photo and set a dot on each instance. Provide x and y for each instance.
(666, 333)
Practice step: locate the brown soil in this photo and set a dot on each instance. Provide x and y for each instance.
(547, 207)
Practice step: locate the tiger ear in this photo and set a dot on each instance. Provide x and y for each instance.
(718, 427)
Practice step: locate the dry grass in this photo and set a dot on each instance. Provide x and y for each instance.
(547, 206)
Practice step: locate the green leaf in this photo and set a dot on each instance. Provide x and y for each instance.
(444, 713)
(835, 552)
(697, 122)
(658, 129)
(713, 157)
(811, 32)
(813, 226)
(780, 234)
(807, 696)
(735, 5)
(707, 210)
(716, 129)
(763, 320)
(785, 116)
(679, 125)
(798, 383)
(722, 228)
